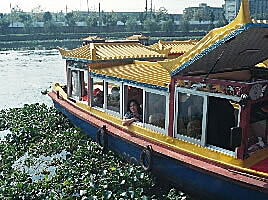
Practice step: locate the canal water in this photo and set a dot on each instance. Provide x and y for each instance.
(25, 74)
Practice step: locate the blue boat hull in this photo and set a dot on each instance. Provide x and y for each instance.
(190, 179)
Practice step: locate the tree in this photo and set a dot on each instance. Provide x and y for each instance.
(199, 15)
(168, 26)
(92, 19)
(15, 14)
(150, 25)
(123, 18)
(70, 20)
(211, 17)
(162, 14)
(131, 24)
(52, 27)
(4, 23)
(188, 15)
(185, 26)
(112, 19)
(47, 17)
(37, 14)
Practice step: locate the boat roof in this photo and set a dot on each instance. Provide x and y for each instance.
(141, 73)
(175, 47)
(93, 38)
(239, 45)
(97, 52)
(137, 37)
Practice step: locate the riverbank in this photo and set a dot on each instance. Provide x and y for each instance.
(73, 40)
(43, 156)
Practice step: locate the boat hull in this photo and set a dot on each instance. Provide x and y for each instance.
(189, 178)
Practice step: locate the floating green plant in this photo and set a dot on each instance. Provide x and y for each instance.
(44, 157)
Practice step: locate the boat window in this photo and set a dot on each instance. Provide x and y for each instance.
(132, 93)
(74, 84)
(155, 109)
(257, 127)
(84, 86)
(222, 116)
(113, 97)
(77, 86)
(190, 115)
(97, 93)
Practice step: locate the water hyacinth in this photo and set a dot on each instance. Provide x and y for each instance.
(42, 156)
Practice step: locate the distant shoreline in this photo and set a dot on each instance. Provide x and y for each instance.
(73, 40)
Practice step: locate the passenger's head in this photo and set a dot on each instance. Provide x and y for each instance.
(133, 106)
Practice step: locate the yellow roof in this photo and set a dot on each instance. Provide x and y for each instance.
(141, 71)
(211, 38)
(92, 38)
(137, 37)
(174, 46)
(263, 64)
(111, 51)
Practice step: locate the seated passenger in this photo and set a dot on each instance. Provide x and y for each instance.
(98, 98)
(194, 129)
(133, 114)
(157, 119)
(114, 99)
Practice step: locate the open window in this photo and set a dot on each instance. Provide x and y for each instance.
(132, 93)
(223, 115)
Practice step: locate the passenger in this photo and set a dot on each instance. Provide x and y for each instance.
(133, 114)
(98, 98)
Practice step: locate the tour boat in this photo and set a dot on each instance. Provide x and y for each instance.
(204, 114)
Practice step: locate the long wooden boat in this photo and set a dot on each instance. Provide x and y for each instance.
(205, 113)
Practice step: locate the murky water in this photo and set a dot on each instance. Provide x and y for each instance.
(24, 74)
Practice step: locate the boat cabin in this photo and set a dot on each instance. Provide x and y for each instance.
(211, 101)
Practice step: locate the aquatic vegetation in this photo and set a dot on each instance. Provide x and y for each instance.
(44, 157)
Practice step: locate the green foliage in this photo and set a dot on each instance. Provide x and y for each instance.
(124, 18)
(47, 17)
(150, 25)
(85, 173)
(92, 20)
(70, 19)
(4, 22)
(111, 19)
(168, 26)
(52, 27)
(131, 24)
(162, 14)
(185, 26)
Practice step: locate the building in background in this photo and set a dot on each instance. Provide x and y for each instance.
(258, 9)
(203, 13)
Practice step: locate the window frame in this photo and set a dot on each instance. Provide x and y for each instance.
(69, 84)
(118, 114)
(91, 93)
(150, 126)
(105, 93)
(205, 95)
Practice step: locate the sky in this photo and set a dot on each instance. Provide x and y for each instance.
(173, 6)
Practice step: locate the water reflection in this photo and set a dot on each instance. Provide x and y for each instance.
(39, 167)
(3, 134)
(24, 74)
